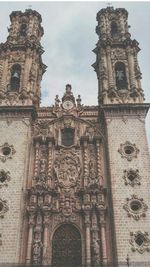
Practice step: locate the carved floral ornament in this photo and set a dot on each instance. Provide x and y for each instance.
(3, 208)
(67, 170)
(140, 241)
(132, 177)
(128, 150)
(6, 152)
(4, 178)
(135, 207)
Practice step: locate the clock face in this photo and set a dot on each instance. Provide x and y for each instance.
(67, 104)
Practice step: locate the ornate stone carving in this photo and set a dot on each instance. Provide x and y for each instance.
(67, 170)
(3, 208)
(132, 177)
(4, 178)
(6, 152)
(95, 252)
(140, 241)
(42, 127)
(128, 150)
(37, 241)
(135, 207)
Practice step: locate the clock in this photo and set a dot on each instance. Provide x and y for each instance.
(67, 104)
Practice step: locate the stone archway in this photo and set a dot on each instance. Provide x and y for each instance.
(66, 247)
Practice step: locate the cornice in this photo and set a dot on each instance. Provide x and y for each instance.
(125, 109)
(18, 111)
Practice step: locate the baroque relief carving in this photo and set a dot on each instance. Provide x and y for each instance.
(67, 171)
(140, 241)
(135, 207)
(3, 208)
(128, 150)
(4, 178)
(6, 152)
(132, 177)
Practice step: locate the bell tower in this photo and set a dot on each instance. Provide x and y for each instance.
(21, 66)
(116, 63)
(122, 113)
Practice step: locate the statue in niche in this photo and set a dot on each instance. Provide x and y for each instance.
(37, 246)
(95, 246)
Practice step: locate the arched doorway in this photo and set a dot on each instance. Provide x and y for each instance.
(66, 247)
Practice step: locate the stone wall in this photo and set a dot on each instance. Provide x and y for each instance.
(121, 129)
(16, 133)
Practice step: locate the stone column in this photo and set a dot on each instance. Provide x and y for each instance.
(4, 75)
(27, 65)
(46, 239)
(88, 238)
(36, 162)
(85, 161)
(95, 240)
(49, 172)
(131, 67)
(30, 238)
(109, 66)
(103, 235)
(99, 167)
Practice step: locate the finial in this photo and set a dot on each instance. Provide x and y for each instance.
(109, 5)
(68, 88)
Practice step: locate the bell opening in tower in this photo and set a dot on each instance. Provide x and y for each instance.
(121, 79)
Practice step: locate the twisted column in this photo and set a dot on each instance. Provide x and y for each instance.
(99, 167)
(85, 160)
(49, 163)
(36, 162)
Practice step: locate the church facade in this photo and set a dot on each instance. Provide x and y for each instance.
(74, 179)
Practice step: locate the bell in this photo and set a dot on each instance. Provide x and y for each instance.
(15, 75)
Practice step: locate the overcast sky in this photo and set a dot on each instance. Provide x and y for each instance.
(68, 41)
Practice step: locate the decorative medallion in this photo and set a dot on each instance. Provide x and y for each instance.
(128, 150)
(67, 170)
(135, 207)
(140, 241)
(3, 208)
(4, 178)
(132, 177)
(6, 152)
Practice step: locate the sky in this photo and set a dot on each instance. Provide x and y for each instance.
(68, 41)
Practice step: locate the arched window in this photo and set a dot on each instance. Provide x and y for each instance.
(15, 77)
(114, 29)
(23, 30)
(67, 136)
(120, 73)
